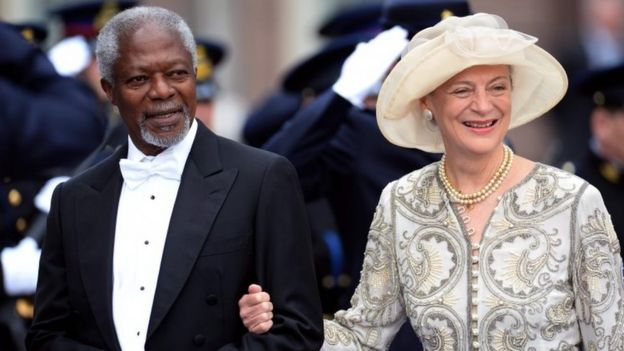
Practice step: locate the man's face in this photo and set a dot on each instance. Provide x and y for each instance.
(154, 88)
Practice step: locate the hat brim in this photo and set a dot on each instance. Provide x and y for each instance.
(538, 84)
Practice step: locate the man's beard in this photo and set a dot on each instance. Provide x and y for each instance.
(165, 142)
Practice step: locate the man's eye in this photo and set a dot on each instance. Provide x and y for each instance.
(137, 80)
(179, 73)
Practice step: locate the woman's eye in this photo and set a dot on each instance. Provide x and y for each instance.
(499, 88)
(461, 92)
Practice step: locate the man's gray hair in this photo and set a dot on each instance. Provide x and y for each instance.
(129, 21)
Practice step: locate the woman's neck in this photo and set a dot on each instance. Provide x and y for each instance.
(469, 173)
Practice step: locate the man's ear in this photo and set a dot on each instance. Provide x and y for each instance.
(108, 89)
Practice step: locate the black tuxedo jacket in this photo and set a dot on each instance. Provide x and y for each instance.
(239, 218)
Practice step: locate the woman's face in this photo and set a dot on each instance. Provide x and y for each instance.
(473, 109)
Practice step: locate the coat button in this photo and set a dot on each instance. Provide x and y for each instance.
(211, 299)
(21, 224)
(15, 198)
(199, 340)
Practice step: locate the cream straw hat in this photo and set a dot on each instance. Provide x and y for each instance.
(436, 54)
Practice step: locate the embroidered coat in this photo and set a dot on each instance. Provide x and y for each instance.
(547, 275)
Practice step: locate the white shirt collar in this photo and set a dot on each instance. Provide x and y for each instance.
(179, 151)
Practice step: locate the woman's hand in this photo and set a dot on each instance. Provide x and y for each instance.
(256, 310)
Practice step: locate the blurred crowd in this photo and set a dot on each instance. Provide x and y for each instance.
(57, 122)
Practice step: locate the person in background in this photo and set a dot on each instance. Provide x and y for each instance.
(74, 54)
(151, 248)
(48, 124)
(209, 55)
(74, 57)
(484, 249)
(604, 165)
(599, 44)
(300, 85)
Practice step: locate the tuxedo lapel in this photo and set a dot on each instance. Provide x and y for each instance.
(96, 217)
(203, 188)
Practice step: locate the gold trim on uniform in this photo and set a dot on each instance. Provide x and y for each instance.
(204, 64)
(610, 172)
(108, 10)
(446, 13)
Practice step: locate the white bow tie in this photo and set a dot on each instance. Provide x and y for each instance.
(135, 172)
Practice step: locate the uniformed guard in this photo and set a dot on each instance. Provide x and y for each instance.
(603, 166)
(210, 53)
(48, 124)
(81, 22)
(74, 56)
(300, 85)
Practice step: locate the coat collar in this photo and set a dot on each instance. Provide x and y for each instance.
(203, 189)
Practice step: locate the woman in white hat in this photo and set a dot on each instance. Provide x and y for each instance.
(484, 249)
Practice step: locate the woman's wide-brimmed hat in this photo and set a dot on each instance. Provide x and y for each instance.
(437, 53)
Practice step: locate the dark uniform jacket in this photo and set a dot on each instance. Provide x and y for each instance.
(340, 154)
(48, 124)
(609, 180)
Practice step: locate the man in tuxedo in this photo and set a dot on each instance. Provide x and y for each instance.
(151, 248)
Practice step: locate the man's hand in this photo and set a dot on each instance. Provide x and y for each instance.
(256, 310)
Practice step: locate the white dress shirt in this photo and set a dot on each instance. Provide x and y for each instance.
(142, 222)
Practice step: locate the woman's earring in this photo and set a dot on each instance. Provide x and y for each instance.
(428, 115)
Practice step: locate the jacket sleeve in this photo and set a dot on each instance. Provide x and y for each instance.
(315, 142)
(268, 117)
(597, 275)
(284, 266)
(52, 306)
(56, 121)
(377, 308)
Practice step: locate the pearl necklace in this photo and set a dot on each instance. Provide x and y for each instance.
(490, 187)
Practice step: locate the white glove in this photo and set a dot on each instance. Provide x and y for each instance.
(20, 266)
(364, 70)
(43, 199)
(70, 56)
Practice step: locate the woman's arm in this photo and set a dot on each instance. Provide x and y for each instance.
(377, 309)
(597, 275)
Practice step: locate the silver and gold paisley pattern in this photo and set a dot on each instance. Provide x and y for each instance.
(547, 275)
